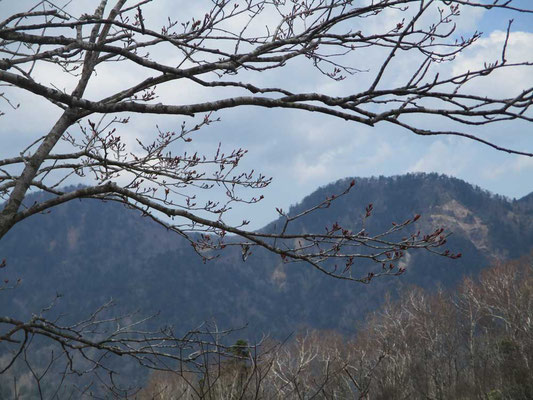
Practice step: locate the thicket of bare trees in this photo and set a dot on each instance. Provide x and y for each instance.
(473, 343)
(225, 49)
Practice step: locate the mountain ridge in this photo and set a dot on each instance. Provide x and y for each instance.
(89, 252)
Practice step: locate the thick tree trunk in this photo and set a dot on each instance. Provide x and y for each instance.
(9, 212)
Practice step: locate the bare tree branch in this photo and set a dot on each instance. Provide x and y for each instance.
(226, 49)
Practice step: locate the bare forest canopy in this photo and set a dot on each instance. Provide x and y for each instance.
(474, 341)
(142, 267)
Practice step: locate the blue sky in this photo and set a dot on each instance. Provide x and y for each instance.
(304, 151)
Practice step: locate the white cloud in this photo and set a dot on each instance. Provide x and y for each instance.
(513, 166)
(441, 157)
(301, 150)
(502, 82)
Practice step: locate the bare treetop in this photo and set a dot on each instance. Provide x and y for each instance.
(105, 68)
(226, 50)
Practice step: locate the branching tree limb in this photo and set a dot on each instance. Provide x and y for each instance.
(226, 49)
(207, 52)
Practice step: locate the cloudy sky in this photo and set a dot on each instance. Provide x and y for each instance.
(303, 151)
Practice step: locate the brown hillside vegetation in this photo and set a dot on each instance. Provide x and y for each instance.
(474, 343)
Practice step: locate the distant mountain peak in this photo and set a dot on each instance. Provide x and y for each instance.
(527, 198)
(90, 251)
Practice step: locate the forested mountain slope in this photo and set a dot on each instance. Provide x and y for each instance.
(89, 252)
